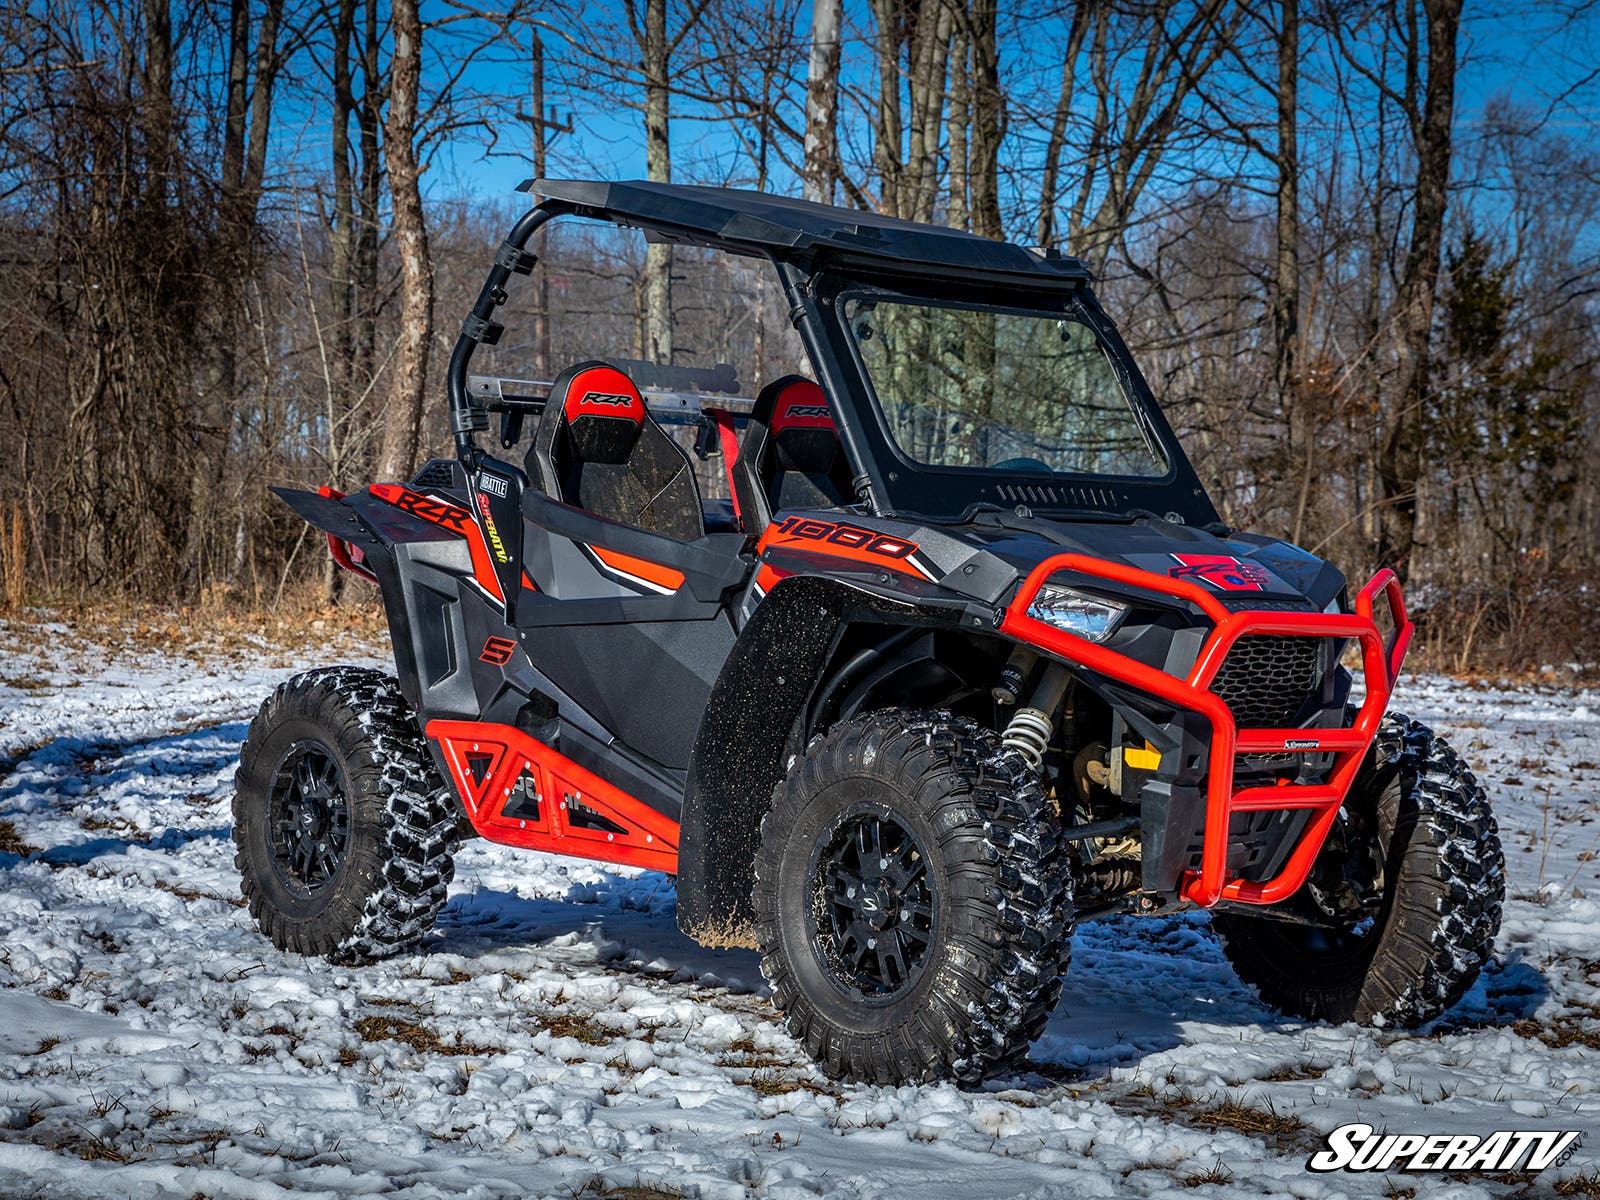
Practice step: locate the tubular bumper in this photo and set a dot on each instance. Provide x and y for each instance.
(1381, 665)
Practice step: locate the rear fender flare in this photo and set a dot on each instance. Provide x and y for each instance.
(378, 540)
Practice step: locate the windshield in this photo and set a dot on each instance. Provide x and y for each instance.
(997, 390)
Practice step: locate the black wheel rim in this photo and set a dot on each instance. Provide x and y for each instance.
(309, 819)
(873, 905)
(1352, 894)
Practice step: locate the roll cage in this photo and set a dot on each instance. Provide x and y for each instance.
(817, 257)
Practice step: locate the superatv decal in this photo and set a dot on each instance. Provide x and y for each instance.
(497, 651)
(494, 534)
(1221, 571)
(456, 520)
(847, 541)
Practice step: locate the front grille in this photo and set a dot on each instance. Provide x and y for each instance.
(1254, 603)
(1266, 680)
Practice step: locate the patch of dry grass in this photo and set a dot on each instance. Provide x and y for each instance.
(418, 1037)
(11, 842)
(597, 1189)
(189, 893)
(576, 1025)
(1294, 1073)
(1558, 1034)
(1215, 1174)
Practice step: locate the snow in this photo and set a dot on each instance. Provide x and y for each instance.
(558, 1036)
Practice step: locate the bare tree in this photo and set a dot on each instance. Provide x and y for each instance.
(822, 102)
(408, 378)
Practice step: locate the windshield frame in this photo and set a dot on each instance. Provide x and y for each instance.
(902, 486)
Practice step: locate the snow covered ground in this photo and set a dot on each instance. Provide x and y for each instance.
(560, 1038)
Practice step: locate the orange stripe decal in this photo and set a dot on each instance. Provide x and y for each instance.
(640, 568)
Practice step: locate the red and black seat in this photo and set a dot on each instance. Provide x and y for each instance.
(791, 456)
(598, 449)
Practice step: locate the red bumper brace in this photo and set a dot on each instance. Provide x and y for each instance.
(1381, 666)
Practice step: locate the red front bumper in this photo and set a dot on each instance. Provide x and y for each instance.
(1381, 665)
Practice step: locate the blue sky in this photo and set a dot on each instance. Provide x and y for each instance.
(1542, 60)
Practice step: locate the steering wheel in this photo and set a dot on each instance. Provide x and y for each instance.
(1021, 464)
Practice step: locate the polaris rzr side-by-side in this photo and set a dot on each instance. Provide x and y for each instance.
(963, 652)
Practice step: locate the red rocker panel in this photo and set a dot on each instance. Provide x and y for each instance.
(488, 762)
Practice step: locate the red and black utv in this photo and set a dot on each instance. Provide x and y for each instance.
(964, 652)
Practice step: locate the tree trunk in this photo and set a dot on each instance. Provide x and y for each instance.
(1400, 457)
(238, 97)
(959, 123)
(822, 103)
(541, 276)
(408, 378)
(1286, 293)
(369, 194)
(988, 119)
(255, 165)
(1050, 178)
(886, 148)
(658, 166)
(156, 103)
(930, 60)
(342, 235)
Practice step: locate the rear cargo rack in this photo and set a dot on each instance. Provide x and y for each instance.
(1381, 662)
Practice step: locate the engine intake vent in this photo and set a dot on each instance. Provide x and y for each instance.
(435, 475)
(1266, 680)
(1058, 494)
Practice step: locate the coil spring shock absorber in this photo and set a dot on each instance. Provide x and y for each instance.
(1030, 728)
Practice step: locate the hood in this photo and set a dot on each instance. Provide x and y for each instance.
(1237, 566)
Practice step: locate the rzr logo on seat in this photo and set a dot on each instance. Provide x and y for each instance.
(799, 411)
(848, 536)
(606, 399)
(1221, 571)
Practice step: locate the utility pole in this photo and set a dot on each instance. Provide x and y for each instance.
(542, 122)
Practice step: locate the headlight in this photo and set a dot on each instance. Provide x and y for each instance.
(1093, 618)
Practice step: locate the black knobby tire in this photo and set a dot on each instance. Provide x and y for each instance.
(341, 741)
(1443, 884)
(985, 925)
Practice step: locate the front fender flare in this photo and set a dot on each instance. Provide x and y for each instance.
(743, 747)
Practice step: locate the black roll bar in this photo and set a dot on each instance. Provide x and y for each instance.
(466, 419)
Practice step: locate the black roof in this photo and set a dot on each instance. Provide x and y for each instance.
(796, 229)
